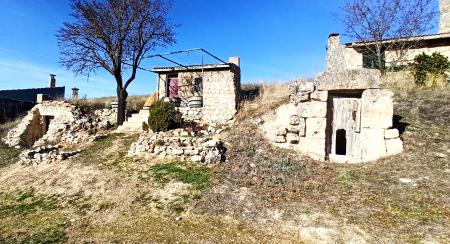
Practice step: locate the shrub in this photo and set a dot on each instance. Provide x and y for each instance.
(432, 67)
(163, 116)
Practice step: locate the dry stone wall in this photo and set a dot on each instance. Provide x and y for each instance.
(181, 144)
(45, 155)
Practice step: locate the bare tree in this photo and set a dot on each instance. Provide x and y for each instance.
(115, 35)
(387, 25)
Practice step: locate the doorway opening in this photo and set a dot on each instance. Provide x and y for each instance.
(341, 142)
(46, 120)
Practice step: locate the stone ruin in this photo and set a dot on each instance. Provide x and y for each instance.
(183, 143)
(55, 122)
(343, 117)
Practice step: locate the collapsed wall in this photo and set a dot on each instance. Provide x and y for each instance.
(341, 116)
(55, 122)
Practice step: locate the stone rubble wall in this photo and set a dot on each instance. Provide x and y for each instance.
(45, 155)
(107, 115)
(181, 144)
(69, 125)
(305, 120)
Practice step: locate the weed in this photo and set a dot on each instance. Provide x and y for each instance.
(345, 176)
(198, 176)
(226, 129)
(249, 149)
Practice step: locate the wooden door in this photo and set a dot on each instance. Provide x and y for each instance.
(346, 126)
(173, 87)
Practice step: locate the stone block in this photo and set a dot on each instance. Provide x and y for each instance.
(348, 79)
(292, 138)
(282, 131)
(312, 109)
(320, 96)
(314, 148)
(294, 120)
(280, 139)
(197, 158)
(377, 109)
(391, 134)
(372, 144)
(315, 128)
(394, 146)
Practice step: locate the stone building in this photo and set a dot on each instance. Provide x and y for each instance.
(14, 103)
(208, 93)
(343, 117)
(355, 55)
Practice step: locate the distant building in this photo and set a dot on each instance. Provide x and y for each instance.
(13, 103)
(355, 55)
(29, 95)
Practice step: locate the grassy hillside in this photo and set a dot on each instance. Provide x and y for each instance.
(261, 194)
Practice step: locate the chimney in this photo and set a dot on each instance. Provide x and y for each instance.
(444, 22)
(75, 94)
(52, 81)
(334, 40)
(335, 54)
(235, 60)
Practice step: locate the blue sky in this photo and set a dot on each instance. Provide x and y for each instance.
(276, 40)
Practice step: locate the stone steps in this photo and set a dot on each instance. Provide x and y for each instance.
(134, 123)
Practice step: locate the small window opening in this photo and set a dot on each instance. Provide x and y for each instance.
(198, 86)
(341, 142)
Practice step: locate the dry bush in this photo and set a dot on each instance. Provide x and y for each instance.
(259, 98)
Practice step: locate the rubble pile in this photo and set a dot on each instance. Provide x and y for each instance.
(182, 144)
(55, 122)
(45, 155)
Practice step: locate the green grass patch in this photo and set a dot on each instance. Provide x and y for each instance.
(48, 227)
(25, 203)
(198, 176)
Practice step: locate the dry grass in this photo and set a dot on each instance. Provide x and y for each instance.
(5, 127)
(134, 103)
(102, 196)
(261, 194)
(262, 97)
(287, 192)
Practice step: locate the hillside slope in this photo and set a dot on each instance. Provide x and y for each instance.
(260, 194)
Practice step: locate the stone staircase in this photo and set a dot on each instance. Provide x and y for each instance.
(134, 123)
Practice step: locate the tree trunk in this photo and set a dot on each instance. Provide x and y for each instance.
(122, 101)
(380, 61)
